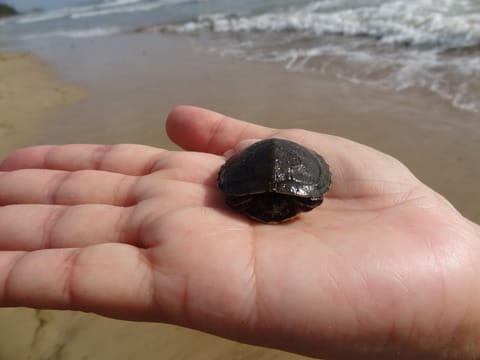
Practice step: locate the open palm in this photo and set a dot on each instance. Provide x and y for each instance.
(385, 266)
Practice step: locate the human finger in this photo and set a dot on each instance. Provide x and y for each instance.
(122, 158)
(198, 129)
(111, 279)
(37, 226)
(33, 227)
(116, 279)
(38, 186)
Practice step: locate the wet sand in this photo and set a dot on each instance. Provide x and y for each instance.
(133, 81)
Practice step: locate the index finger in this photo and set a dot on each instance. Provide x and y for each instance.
(198, 129)
(126, 159)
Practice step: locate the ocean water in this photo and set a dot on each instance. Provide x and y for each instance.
(392, 44)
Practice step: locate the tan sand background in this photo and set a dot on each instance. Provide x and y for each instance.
(439, 143)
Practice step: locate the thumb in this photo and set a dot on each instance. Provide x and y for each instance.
(198, 129)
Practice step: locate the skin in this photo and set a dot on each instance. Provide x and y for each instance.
(385, 268)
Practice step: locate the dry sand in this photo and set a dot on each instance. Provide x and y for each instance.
(132, 95)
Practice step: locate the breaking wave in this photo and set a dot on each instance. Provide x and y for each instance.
(392, 44)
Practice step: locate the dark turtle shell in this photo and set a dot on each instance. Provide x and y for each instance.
(274, 179)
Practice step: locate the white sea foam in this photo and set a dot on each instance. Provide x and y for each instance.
(78, 34)
(456, 79)
(420, 22)
(102, 9)
(392, 44)
(109, 3)
(117, 10)
(42, 16)
(124, 7)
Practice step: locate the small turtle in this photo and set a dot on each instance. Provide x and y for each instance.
(273, 180)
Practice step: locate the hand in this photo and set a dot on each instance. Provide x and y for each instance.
(384, 268)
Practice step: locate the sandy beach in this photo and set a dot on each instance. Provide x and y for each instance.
(127, 101)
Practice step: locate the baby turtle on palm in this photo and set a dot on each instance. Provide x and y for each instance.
(273, 180)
